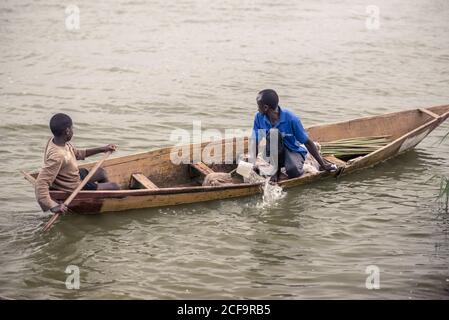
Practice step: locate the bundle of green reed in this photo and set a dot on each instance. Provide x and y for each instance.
(354, 147)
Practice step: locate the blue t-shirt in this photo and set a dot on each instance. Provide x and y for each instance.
(290, 127)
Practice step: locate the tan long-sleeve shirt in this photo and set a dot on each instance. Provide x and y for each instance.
(60, 172)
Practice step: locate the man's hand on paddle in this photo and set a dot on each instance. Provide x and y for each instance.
(106, 148)
(110, 147)
(60, 208)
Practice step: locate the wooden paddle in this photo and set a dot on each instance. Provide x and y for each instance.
(78, 189)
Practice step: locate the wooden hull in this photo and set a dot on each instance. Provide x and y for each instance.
(407, 128)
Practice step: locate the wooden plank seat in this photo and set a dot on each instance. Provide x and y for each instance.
(200, 168)
(139, 181)
(430, 113)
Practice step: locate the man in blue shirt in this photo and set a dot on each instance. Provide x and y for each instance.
(291, 133)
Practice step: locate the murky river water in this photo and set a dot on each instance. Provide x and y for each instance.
(135, 70)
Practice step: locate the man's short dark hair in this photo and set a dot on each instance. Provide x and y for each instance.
(269, 97)
(59, 123)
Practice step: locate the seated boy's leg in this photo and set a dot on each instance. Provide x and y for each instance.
(99, 175)
(90, 185)
(102, 180)
(99, 181)
(293, 163)
(108, 186)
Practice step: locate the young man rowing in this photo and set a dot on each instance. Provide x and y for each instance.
(60, 170)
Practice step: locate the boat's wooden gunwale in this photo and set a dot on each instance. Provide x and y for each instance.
(378, 117)
(147, 192)
(160, 152)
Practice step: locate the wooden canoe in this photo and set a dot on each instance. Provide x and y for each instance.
(162, 183)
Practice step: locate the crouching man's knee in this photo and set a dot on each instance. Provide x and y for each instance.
(294, 172)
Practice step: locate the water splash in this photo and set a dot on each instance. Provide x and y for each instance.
(272, 193)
